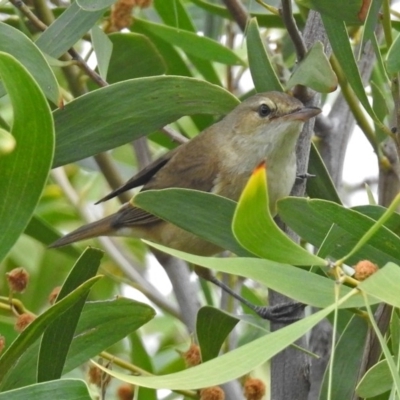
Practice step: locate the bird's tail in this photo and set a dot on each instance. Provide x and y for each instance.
(102, 227)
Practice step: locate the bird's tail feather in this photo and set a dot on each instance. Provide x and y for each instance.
(102, 227)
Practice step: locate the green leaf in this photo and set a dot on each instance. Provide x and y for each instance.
(345, 227)
(255, 229)
(102, 324)
(95, 5)
(346, 368)
(340, 42)
(71, 389)
(320, 186)
(191, 43)
(125, 64)
(352, 12)
(314, 71)
(231, 365)
(212, 328)
(383, 285)
(66, 30)
(35, 329)
(293, 282)
(181, 19)
(103, 119)
(23, 172)
(19, 46)
(393, 57)
(57, 338)
(262, 72)
(186, 209)
(7, 142)
(103, 47)
(377, 380)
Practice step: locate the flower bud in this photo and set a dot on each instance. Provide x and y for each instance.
(125, 392)
(254, 389)
(192, 357)
(364, 269)
(212, 393)
(17, 279)
(23, 320)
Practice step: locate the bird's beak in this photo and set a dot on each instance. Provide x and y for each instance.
(304, 114)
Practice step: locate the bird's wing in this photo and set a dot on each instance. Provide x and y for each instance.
(142, 177)
(192, 168)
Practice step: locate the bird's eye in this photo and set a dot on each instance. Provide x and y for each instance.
(264, 110)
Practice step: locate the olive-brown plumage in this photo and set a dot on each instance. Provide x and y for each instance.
(265, 127)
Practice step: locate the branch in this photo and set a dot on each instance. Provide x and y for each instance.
(238, 13)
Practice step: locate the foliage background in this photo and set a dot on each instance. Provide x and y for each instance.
(155, 76)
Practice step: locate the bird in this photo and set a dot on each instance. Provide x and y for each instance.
(263, 128)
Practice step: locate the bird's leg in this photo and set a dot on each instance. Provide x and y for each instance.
(284, 312)
(302, 177)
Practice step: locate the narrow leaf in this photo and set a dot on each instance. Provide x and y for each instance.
(34, 330)
(103, 119)
(262, 72)
(71, 389)
(212, 328)
(26, 52)
(23, 172)
(67, 29)
(102, 46)
(57, 338)
(256, 230)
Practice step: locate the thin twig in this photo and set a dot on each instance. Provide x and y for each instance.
(238, 13)
(291, 26)
(174, 135)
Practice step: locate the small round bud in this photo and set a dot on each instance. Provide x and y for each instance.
(17, 279)
(364, 269)
(98, 377)
(23, 320)
(254, 389)
(125, 392)
(2, 343)
(53, 295)
(212, 393)
(192, 357)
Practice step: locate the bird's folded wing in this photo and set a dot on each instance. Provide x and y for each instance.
(142, 177)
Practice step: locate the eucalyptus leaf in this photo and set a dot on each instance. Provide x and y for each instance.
(71, 389)
(25, 170)
(67, 29)
(231, 365)
(119, 113)
(262, 71)
(26, 52)
(377, 380)
(57, 338)
(36, 328)
(212, 328)
(314, 71)
(296, 283)
(192, 43)
(345, 227)
(255, 229)
(102, 46)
